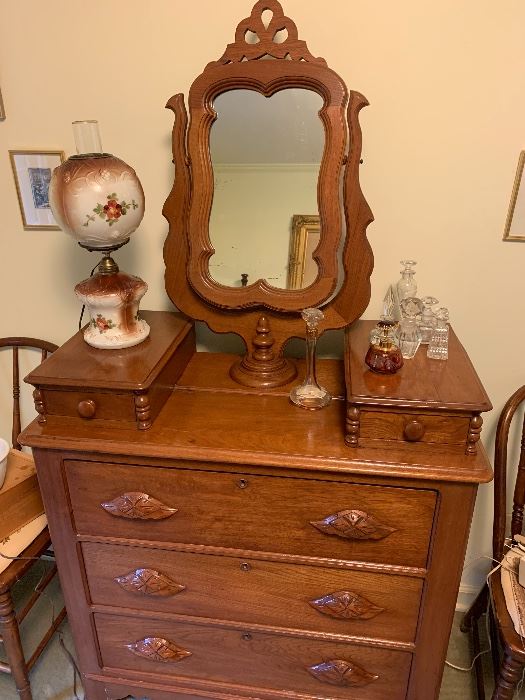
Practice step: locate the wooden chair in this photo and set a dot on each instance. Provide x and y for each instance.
(10, 619)
(508, 671)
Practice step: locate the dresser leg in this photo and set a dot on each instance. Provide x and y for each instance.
(508, 677)
(94, 690)
(13, 646)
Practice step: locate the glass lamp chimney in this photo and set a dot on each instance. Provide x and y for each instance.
(87, 137)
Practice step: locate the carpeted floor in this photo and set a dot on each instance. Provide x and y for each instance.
(52, 677)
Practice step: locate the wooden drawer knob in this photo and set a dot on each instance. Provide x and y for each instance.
(87, 409)
(414, 430)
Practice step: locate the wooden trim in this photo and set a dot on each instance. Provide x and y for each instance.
(266, 556)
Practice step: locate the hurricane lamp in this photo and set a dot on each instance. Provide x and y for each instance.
(98, 200)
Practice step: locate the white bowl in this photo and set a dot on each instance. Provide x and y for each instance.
(4, 451)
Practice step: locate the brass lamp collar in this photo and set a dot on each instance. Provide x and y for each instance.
(107, 266)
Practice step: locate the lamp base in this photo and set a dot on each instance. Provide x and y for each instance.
(112, 299)
(115, 341)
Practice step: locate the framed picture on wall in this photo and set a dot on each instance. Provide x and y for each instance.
(515, 224)
(32, 171)
(2, 110)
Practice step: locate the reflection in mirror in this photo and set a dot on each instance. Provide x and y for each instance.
(305, 237)
(266, 153)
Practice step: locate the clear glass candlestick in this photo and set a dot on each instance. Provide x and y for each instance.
(309, 394)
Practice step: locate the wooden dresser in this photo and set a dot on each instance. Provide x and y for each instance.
(215, 541)
(239, 548)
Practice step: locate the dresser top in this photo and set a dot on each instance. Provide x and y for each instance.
(226, 424)
(77, 364)
(209, 418)
(421, 383)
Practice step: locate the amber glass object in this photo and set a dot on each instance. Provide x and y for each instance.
(310, 394)
(384, 356)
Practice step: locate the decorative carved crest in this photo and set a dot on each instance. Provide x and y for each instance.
(346, 605)
(353, 525)
(342, 673)
(253, 40)
(138, 506)
(158, 649)
(149, 582)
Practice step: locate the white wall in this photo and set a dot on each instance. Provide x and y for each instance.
(441, 140)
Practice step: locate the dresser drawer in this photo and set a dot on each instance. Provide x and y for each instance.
(413, 427)
(261, 513)
(253, 591)
(91, 405)
(253, 659)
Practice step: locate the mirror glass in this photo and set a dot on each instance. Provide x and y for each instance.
(266, 153)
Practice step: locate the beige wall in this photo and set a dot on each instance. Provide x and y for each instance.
(441, 139)
(250, 233)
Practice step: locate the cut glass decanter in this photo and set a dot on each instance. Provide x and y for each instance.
(438, 345)
(407, 285)
(408, 334)
(427, 321)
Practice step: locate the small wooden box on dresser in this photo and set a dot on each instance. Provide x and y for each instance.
(239, 549)
(215, 541)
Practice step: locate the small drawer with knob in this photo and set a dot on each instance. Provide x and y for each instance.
(409, 427)
(254, 591)
(91, 406)
(301, 517)
(250, 659)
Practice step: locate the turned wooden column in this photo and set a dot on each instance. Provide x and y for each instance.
(509, 674)
(13, 646)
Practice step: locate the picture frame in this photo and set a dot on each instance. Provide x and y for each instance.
(2, 109)
(32, 172)
(304, 239)
(515, 223)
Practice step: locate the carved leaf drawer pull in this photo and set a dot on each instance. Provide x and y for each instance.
(353, 525)
(343, 673)
(346, 605)
(158, 649)
(149, 582)
(138, 506)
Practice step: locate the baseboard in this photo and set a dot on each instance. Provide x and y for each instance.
(466, 596)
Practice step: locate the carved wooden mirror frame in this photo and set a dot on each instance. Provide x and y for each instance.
(265, 316)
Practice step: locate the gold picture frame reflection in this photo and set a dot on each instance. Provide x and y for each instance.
(304, 239)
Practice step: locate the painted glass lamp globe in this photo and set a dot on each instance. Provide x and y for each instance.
(98, 200)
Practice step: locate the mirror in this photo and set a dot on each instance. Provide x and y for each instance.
(267, 103)
(266, 154)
